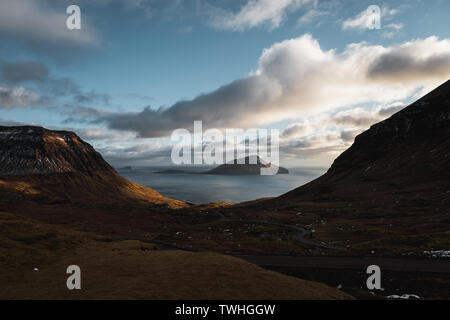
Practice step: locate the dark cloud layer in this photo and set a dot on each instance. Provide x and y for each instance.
(41, 27)
(13, 97)
(220, 108)
(16, 72)
(37, 75)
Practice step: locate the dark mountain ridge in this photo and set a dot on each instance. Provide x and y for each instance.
(410, 147)
(387, 195)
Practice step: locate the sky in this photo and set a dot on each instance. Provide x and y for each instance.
(139, 69)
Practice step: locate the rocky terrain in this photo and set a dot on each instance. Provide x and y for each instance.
(388, 194)
(411, 147)
(36, 150)
(48, 166)
(247, 166)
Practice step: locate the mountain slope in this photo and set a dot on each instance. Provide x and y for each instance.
(35, 150)
(59, 167)
(388, 194)
(411, 147)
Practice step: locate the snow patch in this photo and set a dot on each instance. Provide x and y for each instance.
(403, 296)
(437, 253)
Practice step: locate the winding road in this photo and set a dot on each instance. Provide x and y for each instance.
(402, 264)
(343, 263)
(406, 264)
(301, 235)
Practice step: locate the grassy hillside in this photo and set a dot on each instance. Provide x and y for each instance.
(130, 269)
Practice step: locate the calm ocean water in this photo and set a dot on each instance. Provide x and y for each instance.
(199, 188)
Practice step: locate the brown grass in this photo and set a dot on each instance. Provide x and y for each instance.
(88, 189)
(130, 269)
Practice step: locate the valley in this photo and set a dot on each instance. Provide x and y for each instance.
(385, 200)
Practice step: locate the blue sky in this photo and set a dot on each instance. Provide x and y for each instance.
(132, 62)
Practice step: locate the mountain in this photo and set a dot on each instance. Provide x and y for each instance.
(59, 167)
(233, 168)
(247, 168)
(410, 148)
(388, 194)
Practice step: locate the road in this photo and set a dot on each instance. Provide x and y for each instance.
(441, 265)
(344, 263)
(301, 236)
(405, 264)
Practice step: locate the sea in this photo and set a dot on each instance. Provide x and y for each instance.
(204, 188)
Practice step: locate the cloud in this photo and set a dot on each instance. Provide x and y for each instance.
(356, 117)
(311, 15)
(349, 135)
(16, 72)
(10, 123)
(234, 98)
(82, 114)
(331, 133)
(364, 18)
(296, 78)
(92, 134)
(391, 109)
(13, 97)
(37, 75)
(296, 129)
(395, 26)
(413, 60)
(91, 97)
(41, 27)
(256, 13)
(139, 154)
(363, 118)
(86, 112)
(312, 147)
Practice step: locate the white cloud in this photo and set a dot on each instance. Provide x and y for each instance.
(12, 97)
(395, 26)
(329, 134)
(311, 15)
(363, 19)
(257, 12)
(296, 78)
(413, 60)
(297, 129)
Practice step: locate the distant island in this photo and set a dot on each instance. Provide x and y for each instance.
(233, 168)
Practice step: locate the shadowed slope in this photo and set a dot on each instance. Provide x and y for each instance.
(388, 194)
(411, 147)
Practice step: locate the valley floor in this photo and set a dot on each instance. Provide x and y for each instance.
(34, 257)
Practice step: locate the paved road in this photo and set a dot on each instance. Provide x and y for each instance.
(441, 265)
(301, 236)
